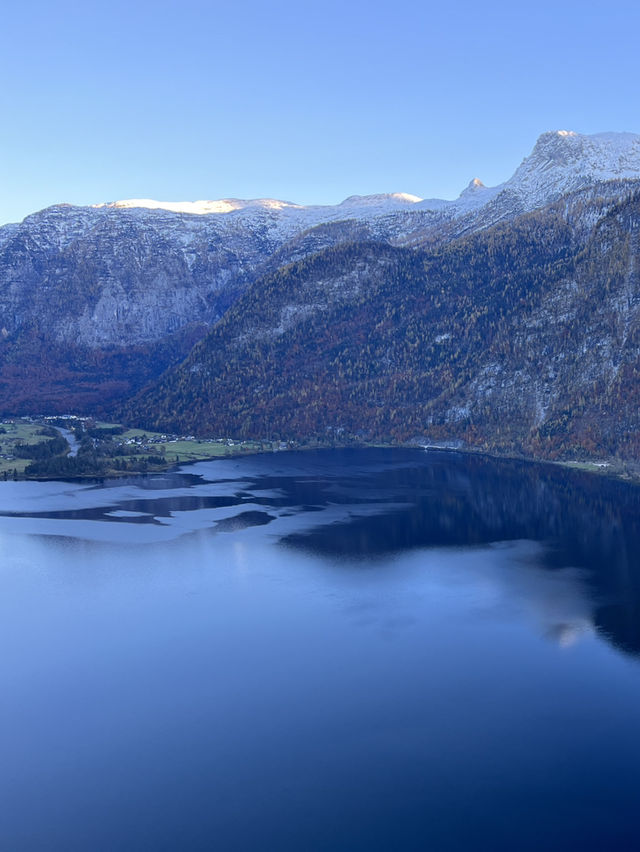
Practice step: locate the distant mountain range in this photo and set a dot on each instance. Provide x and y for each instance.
(505, 318)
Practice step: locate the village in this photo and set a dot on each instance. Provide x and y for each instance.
(68, 444)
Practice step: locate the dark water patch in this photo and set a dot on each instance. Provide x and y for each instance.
(149, 482)
(584, 522)
(467, 500)
(164, 507)
(143, 510)
(102, 513)
(243, 520)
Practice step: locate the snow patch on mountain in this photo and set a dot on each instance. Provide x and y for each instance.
(561, 161)
(283, 217)
(192, 259)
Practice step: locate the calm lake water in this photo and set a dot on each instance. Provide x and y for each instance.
(341, 650)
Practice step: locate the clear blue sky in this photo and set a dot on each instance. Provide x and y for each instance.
(311, 103)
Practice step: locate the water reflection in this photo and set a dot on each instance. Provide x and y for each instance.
(360, 506)
(363, 650)
(589, 526)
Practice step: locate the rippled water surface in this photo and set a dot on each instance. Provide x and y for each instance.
(341, 650)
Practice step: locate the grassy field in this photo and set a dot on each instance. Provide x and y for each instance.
(177, 451)
(129, 451)
(17, 432)
(195, 450)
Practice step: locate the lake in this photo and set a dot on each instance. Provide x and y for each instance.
(332, 650)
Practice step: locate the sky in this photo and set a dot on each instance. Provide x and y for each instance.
(305, 102)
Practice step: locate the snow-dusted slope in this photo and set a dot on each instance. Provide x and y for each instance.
(375, 205)
(134, 271)
(280, 219)
(561, 162)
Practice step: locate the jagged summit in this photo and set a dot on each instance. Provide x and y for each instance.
(601, 155)
(563, 161)
(474, 187)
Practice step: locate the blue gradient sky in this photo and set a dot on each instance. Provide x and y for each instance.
(195, 100)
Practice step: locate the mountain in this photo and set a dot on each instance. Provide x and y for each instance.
(97, 301)
(523, 337)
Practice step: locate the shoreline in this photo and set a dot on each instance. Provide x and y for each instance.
(611, 470)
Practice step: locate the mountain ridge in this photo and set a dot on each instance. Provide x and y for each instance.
(122, 285)
(607, 156)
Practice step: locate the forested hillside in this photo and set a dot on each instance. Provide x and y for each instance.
(524, 337)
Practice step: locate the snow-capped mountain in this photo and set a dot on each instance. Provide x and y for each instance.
(367, 205)
(562, 161)
(567, 161)
(135, 272)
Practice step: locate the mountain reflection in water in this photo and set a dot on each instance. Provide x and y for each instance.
(365, 504)
(324, 650)
(590, 528)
